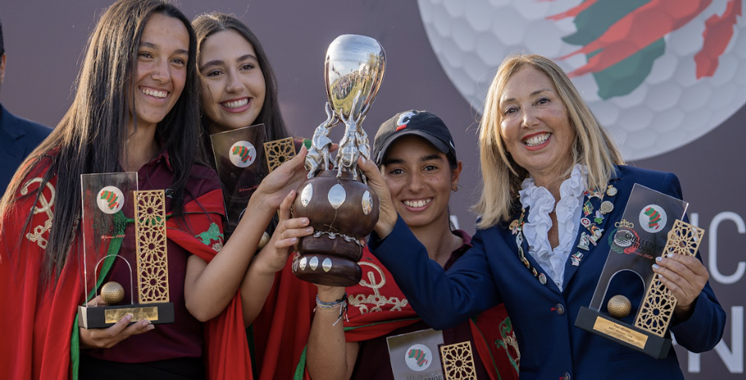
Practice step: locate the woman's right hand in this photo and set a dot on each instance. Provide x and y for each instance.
(288, 176)
(275, 254)
(109, 337)
(387, 215)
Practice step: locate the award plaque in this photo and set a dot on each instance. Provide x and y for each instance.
(341, 208)
(458, 361)
(105, 198)
(416, 355)
(238, 159)
(650, 227)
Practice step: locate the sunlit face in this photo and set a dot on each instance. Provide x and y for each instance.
(535, 125)
(233, 86)
(420, 180)
(161, 68)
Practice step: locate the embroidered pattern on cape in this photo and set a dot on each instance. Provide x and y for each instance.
(376, 300)
(509, 342)
(46, 207)
(212, 237)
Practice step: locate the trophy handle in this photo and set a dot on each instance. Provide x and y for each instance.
(318, 155)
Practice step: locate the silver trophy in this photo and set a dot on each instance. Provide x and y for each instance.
(341, 208)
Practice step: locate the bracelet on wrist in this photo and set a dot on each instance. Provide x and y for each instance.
(340, 303)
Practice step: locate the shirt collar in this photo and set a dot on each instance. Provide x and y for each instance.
(455, 255)
(162, 155)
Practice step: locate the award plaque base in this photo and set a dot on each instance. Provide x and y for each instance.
(633, 337)
(99, 317)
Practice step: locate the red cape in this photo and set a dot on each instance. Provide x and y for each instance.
(227, 347)
(281, 329)
(40, 321)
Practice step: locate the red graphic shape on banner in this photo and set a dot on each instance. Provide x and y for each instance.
(635, 31)
(718, 33)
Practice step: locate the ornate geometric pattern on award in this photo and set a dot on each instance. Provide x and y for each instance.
(279, 152)
(658, 305)
(458, 361)
(150, 235)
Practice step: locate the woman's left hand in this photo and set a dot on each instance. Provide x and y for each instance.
(685, 276)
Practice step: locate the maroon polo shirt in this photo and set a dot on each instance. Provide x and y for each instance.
(184, 337)
(373, 357)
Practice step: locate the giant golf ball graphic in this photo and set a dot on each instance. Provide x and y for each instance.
(667, 109)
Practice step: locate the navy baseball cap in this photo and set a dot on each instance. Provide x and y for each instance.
(413, 122)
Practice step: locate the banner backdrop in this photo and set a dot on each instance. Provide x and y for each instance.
(666, 77)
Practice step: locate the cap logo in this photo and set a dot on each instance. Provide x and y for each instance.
(404, 119)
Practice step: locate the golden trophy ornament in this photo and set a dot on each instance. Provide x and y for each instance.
(112, 293)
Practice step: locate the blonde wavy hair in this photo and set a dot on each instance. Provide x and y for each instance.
(502, 177)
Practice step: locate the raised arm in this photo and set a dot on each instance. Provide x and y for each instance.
(272, 258)
(209, 287)
(442, 300)
(330, 356)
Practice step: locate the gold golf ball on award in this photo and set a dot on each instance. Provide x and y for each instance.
(341, 208)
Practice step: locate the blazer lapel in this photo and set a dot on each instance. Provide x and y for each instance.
(520, 249)
(599, 206)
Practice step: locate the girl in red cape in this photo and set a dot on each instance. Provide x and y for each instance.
(417, 158)
(239, 89)
(135, 110)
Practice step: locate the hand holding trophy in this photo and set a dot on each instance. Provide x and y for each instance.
(342, 209)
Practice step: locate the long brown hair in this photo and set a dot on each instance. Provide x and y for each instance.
(90, 138)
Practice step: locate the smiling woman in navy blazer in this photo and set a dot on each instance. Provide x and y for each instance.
(553, 182)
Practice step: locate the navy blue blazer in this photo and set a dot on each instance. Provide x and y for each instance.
(18, 137)
(543, 317)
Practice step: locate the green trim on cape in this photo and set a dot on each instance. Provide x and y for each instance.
(114, 247)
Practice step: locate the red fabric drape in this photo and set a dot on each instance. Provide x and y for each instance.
(227, 348)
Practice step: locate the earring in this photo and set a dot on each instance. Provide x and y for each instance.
(455, 188)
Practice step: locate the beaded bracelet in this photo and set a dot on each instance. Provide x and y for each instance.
(340, 303)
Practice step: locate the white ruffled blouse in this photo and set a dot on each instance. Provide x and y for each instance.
(536, 228)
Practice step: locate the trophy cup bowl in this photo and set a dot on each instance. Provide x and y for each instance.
(341, 209)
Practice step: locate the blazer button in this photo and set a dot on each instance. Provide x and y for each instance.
(560, 310)
(566, 376)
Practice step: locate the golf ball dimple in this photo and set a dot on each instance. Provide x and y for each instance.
(670, 108)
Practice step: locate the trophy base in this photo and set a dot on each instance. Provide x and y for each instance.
(633, 337)
(327, 270)
(99, 317)
(326, 245)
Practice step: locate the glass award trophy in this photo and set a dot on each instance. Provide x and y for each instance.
(106, 199)
(238, 159)
(650, 227)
